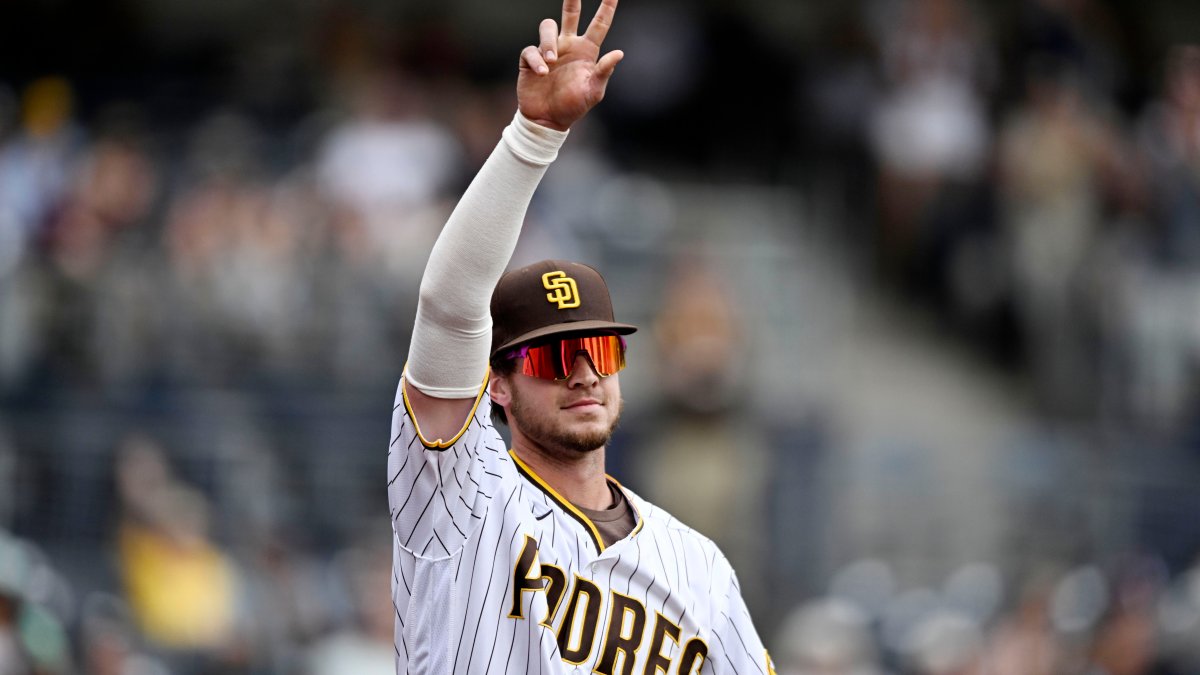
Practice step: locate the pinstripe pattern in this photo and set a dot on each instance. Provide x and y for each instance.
(460, 520)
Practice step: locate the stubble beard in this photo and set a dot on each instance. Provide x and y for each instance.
(566, 443)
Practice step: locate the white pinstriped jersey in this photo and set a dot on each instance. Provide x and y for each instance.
(494, 572)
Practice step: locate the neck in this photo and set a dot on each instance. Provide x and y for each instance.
(578, 477)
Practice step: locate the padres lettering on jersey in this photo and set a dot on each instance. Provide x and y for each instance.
(494, 572)
(626, 621)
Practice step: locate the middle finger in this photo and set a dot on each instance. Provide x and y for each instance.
(598, 28)
(570, 16)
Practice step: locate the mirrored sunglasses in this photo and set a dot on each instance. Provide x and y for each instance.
(556, 360)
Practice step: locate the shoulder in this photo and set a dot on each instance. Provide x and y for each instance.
(657, 521)
(468, 470)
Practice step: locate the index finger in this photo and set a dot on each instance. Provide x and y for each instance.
(598, 28)
(570, 16)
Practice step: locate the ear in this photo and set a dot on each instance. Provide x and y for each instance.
(500, 389)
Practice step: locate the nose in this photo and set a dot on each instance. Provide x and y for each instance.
(583, 374)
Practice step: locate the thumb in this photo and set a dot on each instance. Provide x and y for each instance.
(607, 63)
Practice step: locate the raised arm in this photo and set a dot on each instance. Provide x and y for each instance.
(559, 81)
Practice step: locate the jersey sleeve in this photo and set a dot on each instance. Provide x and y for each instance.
(736, 646)
(438, 492)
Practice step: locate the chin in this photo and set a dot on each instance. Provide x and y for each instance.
(591, 436)
(579, 437)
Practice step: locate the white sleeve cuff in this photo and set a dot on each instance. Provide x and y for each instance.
(532, 142)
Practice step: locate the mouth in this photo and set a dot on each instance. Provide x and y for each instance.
(583, 404)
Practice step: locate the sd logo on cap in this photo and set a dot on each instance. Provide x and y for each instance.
(563, 289)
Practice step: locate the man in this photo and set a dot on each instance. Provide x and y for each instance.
(534, 561)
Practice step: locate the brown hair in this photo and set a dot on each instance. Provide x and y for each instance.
(501, 366)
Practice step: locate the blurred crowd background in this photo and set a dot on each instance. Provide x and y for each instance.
(919, 283)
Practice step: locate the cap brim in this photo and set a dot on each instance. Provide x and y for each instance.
(569, 327)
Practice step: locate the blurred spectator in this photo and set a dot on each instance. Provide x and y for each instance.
(1023, 643)
(1158, 288)
(182, 589)
(36, 166)
(1171, 143)
(113, 190)
(45, 640)
(109, 642)
(33, 640)
(180, 585)
(1126, 639)
(827, 637)
(946, 643)
(930, 133)
(366, 645)
(101, 321)
(284, 606)
(1125, 643)
(1055, 153)
(705, 457)
(387, 167)
(699, 341)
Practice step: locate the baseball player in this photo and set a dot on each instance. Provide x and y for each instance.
(532, 560)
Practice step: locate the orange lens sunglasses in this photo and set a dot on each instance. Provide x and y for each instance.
(556, 360)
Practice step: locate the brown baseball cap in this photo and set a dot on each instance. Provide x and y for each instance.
(549, 297)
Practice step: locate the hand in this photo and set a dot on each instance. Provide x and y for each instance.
(562, 78)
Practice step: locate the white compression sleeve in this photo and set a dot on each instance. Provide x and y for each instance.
(453, 333)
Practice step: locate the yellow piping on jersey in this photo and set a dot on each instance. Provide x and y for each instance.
(587, 522)
(439, 444)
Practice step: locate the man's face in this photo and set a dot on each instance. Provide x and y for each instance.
(570, 417)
